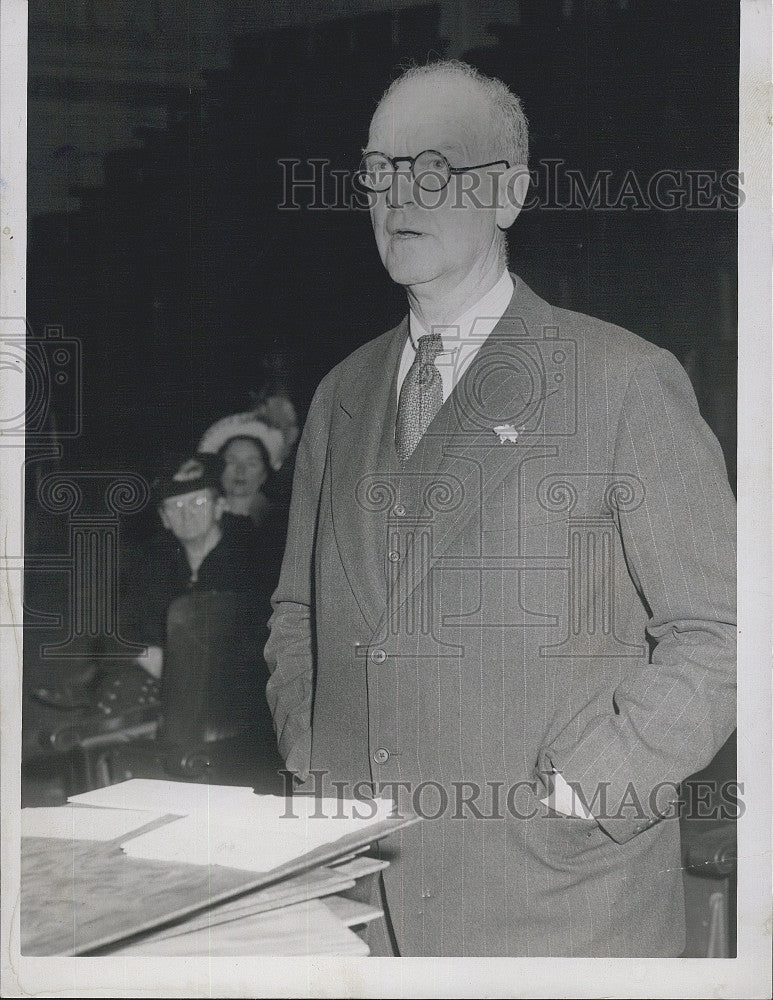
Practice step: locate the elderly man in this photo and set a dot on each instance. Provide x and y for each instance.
(509, 575)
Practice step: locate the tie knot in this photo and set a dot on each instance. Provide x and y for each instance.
(428, 348)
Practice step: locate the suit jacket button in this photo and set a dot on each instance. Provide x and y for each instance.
(378, 656)
(399, 510)
(394, 557)
(381, 756)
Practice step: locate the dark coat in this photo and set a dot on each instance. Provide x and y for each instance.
(246, 559)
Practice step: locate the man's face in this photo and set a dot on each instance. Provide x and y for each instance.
(435, 236)
(191, 516)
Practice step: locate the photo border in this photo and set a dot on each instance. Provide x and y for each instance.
(746, 976)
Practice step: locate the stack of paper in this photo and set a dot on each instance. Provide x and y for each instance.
(184, 937)
(224, 825)
(83, 823)
(178, 797)
(198, 869)
(308, 928)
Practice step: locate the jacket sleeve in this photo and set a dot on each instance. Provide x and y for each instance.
(289, 651)
(667, 721)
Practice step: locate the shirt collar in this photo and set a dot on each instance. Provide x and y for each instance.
(475, 323)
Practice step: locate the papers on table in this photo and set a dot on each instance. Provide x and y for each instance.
(231, 826)
(308, 928)
(70, 906)
(322, 881)
(178, 797)
(79, 823)
(319, 882)
(260, 835)
(351, 912)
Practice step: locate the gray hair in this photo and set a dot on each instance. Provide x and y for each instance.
(508, 122)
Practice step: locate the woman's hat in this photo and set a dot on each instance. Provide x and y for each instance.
(245, 425)
(197, 473)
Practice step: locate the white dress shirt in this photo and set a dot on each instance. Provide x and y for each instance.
(462, 339)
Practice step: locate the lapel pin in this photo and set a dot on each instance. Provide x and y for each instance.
(506, 433)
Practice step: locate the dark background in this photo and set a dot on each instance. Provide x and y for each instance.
(186, 285)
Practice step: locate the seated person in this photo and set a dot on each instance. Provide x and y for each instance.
(207, 649)
(194, 554)
(272, 423)
(253, 453)
(197, 554)
(198, 597)
(246, 471)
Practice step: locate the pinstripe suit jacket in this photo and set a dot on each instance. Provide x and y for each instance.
(491, 609)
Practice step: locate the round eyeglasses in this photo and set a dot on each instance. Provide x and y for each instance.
(196, 501)
(430, 169)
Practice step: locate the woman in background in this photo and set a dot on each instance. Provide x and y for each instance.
(251, 452)
(246, 470)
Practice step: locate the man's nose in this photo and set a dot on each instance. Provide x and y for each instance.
(401, 190)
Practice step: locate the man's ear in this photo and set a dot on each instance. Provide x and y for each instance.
(512, 188)
(164, 519)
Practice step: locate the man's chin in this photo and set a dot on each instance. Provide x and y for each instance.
(404, 271)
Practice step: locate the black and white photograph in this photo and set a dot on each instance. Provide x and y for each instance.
(385, 433)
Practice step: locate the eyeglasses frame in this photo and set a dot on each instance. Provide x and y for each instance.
(180, 505)
(411, 160)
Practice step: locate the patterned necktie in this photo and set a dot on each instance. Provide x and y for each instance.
(420, 397)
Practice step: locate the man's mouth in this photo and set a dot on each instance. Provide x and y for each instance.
(406, 234)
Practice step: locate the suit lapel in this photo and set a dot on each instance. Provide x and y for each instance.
(362, 468)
